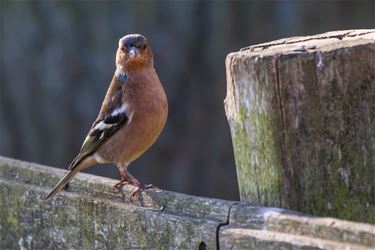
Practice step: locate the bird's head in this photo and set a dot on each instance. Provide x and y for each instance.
(133, 51)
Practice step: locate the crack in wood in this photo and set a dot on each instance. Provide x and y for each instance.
(226, 223)
(285, 173)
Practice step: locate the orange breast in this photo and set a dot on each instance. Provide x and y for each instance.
(150, 111)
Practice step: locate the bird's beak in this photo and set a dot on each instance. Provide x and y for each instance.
(133, 52)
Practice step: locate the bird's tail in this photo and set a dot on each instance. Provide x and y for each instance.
(59, 186)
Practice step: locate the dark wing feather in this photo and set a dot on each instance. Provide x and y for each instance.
(97, 136)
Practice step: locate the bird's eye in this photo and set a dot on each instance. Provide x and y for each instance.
(143, 46)
(123, 49)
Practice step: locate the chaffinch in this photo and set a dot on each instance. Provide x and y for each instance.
(133, 114)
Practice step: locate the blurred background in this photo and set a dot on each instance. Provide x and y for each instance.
(58, 58)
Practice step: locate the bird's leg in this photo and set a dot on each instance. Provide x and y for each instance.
(124, 178)
(138, 184)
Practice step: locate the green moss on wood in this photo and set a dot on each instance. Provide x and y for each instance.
(258, 179)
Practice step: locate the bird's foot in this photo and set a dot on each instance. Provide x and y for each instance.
(119, 185)
(140, 188)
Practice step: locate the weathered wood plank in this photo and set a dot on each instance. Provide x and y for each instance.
(302, 117)
(254, 227)
(239, 238)
(88, 215)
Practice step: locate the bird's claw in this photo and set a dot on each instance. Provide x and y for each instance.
(118, 186)
(140, 188)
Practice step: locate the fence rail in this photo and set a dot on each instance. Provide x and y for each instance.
(89, 215)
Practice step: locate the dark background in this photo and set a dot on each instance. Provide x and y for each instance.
(57, 59)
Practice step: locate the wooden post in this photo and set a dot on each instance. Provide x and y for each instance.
(302, 117)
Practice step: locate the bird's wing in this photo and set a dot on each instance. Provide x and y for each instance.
(113, 115)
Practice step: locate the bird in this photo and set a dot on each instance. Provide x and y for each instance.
(131, 118)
